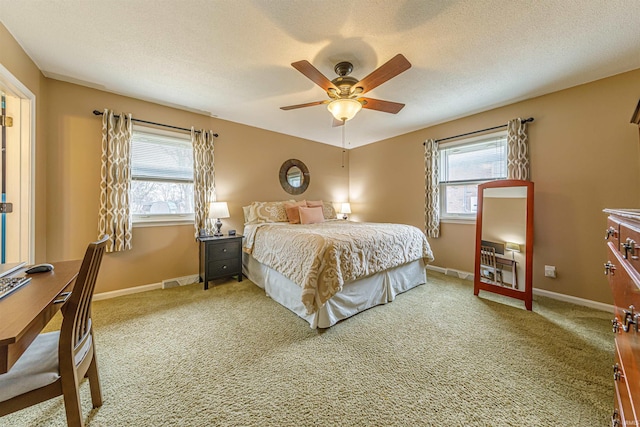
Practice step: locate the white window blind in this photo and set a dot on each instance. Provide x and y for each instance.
(161, 177)
(464, 165)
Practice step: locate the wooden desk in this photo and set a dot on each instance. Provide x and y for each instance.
(25, 312)
(509, 263)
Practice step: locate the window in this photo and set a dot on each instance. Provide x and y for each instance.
(161, 176)
(464, 165)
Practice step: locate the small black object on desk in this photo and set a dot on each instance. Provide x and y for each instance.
(220, 257)
(39, 268)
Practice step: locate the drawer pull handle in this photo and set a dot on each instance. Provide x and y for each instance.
(63, 297)
(611, 232)
(224, 267)
(616, 372)
(609, 268)
(615, 418)
(224, 250)
(629, 249)
(630, 318)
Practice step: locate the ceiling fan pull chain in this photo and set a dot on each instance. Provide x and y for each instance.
(344, 125)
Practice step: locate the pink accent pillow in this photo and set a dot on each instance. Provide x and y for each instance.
(292, 211)
(311, 215)
(314, 203)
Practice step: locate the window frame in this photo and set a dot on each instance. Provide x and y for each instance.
(156, 220)
(464, 218)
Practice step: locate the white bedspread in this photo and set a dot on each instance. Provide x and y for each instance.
(321, 258)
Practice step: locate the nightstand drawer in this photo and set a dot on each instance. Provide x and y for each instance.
(224, 250)
(225, 267)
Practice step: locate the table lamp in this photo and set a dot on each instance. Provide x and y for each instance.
(513, 247)
(218, 210)
(346, 209)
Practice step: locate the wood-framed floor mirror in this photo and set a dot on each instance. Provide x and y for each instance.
(504, 239)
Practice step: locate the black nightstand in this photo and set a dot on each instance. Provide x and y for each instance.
(220, 257)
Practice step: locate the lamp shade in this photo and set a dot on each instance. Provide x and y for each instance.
(218, 210)
(344, 109)
(510, 246)
(346, 208)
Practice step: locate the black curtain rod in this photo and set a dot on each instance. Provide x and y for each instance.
(530, 119)
(99, 113)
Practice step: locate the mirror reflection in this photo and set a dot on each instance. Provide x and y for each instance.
(504, 231)
(294, 176)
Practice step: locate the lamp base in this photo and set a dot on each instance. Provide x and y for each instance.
(218, 224)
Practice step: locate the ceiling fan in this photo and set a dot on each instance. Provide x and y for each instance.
(345, 91)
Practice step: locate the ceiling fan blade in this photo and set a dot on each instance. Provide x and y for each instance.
(313, 74)
(386, 71)
(308, 104)
(377, 104)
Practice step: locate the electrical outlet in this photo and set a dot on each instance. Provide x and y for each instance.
(550, 271)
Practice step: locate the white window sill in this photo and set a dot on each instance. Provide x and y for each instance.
(162, 222)
(458, 220)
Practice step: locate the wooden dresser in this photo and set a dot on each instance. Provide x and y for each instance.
(623, 270)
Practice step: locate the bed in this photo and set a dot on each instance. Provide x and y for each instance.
(328, 271)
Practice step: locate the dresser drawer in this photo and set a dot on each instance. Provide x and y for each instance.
(612, 233)
(623, 399)
(623, 280)
(630, 245)
(223, 250)
(222, 268)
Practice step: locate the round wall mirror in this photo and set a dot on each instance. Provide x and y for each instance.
(294, 176)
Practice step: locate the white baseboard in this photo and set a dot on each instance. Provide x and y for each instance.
(127, 291)
(185, 280)
(542, 292)
(574, 300)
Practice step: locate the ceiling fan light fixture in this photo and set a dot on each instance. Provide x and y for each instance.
(344, 109)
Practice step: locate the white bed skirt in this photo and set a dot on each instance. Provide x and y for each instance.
(354, 297)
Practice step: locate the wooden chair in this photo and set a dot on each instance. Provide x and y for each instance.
(488, 267)
(56, 362)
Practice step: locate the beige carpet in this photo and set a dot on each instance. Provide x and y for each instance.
(436, 356)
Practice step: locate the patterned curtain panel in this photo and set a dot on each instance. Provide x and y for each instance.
(517, 150)
(432, 189)
(115, 181)
(204, 187)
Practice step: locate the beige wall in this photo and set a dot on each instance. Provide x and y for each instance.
(68, 173)
(584, 157)
(247, 164)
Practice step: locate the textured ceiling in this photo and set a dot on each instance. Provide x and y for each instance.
(231, 58)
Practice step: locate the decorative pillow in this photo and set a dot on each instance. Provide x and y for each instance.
(310, 215)
(246, 210)
(267, 212)
(292, 211)
(328, 211)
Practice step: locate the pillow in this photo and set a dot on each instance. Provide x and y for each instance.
(292, 211)
(246, 210)
(267, 212)
(328, 210)
(310, 215)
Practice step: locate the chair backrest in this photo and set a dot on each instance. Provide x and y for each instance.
(488, 256)
(75, 333)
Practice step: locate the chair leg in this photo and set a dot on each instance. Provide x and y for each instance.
(72, 406)
(94, 383)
